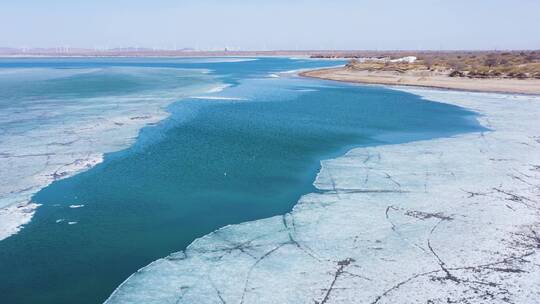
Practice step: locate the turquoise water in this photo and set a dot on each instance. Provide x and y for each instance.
(213, 162)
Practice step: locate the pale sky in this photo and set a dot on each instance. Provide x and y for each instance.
(271, 25)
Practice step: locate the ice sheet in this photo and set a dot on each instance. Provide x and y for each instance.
(451, 220)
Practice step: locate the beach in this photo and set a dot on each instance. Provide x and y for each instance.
(428, 79)
(447, 220)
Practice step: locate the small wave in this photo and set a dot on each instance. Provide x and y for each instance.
(75, 206)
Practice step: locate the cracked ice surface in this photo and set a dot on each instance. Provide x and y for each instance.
(452, 220)
(44, 138)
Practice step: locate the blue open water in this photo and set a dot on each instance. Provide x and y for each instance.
(211, 163)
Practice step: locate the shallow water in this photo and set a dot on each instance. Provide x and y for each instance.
(245, 153)
(51, 116)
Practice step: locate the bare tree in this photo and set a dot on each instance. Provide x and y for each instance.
(428, 62)
(456, 65)
(491, 61)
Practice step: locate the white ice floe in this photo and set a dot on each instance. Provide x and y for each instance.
(219, 98)
(306, 90)
(218, 88)
(14, 216)
(47, 138)
(449, 220)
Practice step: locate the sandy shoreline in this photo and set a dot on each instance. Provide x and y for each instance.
(428, 80)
